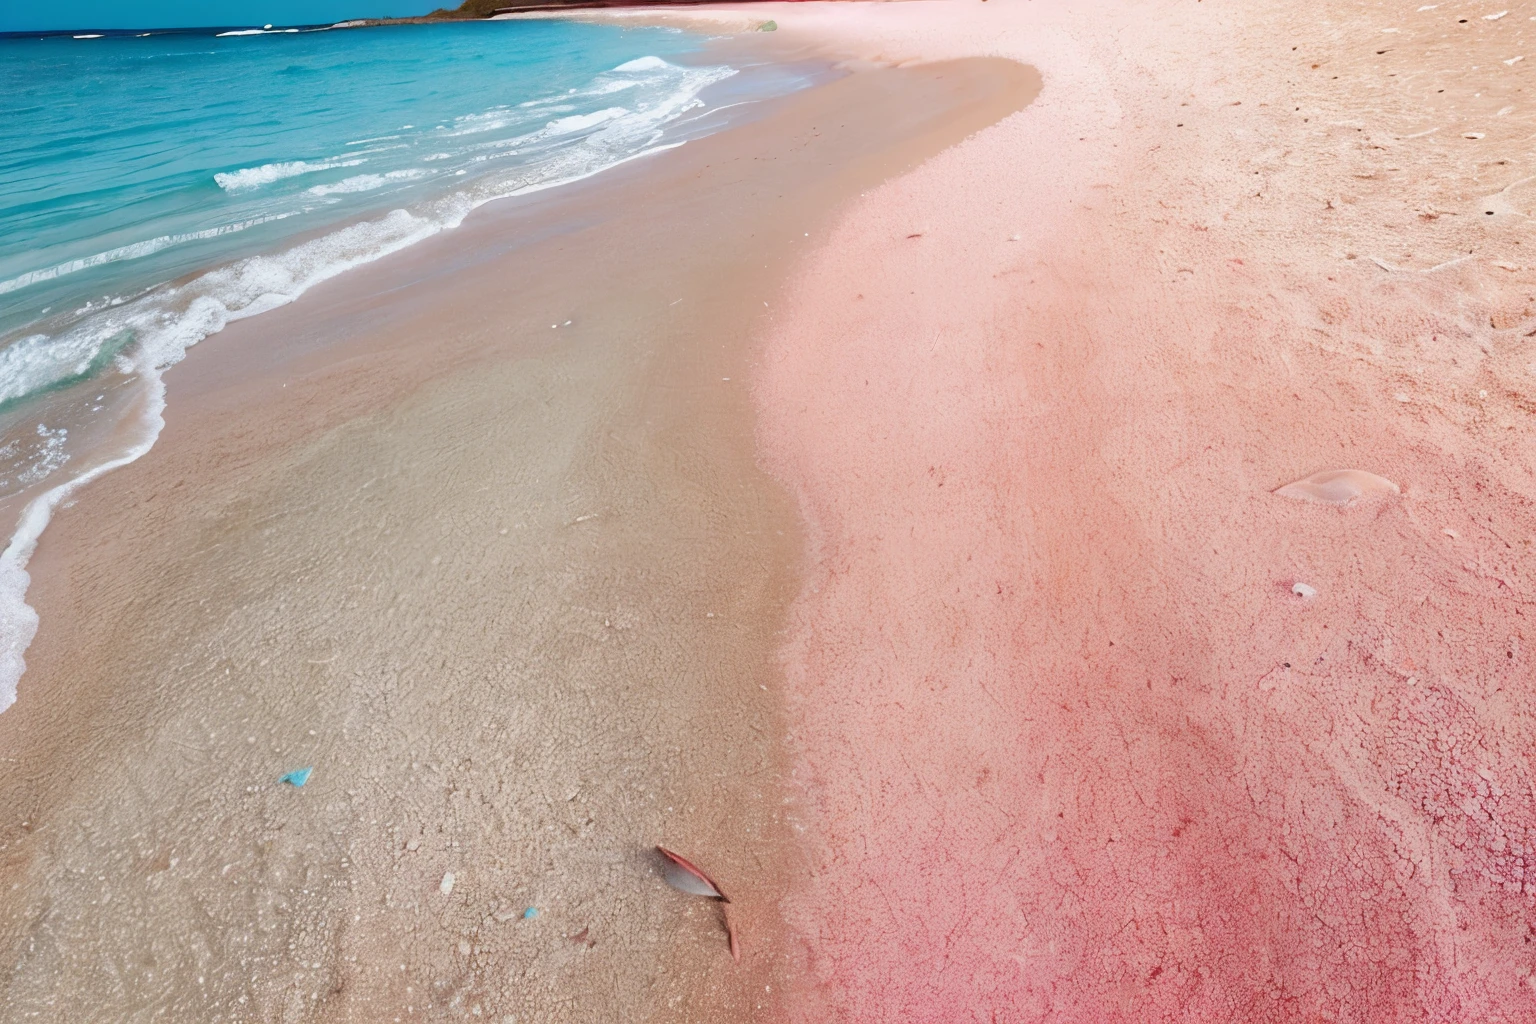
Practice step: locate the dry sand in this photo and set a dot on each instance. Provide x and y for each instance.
(1071, 746)
(513, 591)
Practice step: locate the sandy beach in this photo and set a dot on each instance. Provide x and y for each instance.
(514, 591)
(905, 526)
(1095, 721)
(1073, 745)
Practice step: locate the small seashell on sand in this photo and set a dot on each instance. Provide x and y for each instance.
(446, 885)
(1338, 486)
(685, 877)
(1304, 591)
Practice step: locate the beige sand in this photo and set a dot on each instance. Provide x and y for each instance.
(513, 591)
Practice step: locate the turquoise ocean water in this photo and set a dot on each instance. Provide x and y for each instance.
(154, 188)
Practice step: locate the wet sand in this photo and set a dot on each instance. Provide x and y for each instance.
(514, 591)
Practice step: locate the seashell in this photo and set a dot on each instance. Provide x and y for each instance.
(685, 877)
(1338, 486)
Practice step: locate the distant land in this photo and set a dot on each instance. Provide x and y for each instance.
(471, 10)
(479, 10)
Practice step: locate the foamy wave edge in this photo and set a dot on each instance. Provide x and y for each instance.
(254, 177)
(208, 314)
(134, 251)
(18, 620)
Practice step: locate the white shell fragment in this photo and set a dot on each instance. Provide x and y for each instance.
(686, 881)
(1338, 486)
(446, 885)
(1302, 590)
(685, 876)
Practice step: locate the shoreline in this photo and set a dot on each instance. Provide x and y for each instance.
(515, 593)
(168, 315)
(1075, 714)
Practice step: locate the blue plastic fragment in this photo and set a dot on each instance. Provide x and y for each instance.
(531, 912)
(297, 778)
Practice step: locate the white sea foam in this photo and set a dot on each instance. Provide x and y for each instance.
(266, 174)
(357, 183)
(473, 124)
(39, 360)
(644, 64)
(165, 322)
(365, 182)
(34, 463)
(612, 87)
(581, 122)
(18, 620)
(133, 251)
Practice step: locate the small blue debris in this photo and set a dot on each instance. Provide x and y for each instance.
(297, 778)
(530, 913)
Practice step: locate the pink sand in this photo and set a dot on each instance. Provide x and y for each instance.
(1071, 748)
